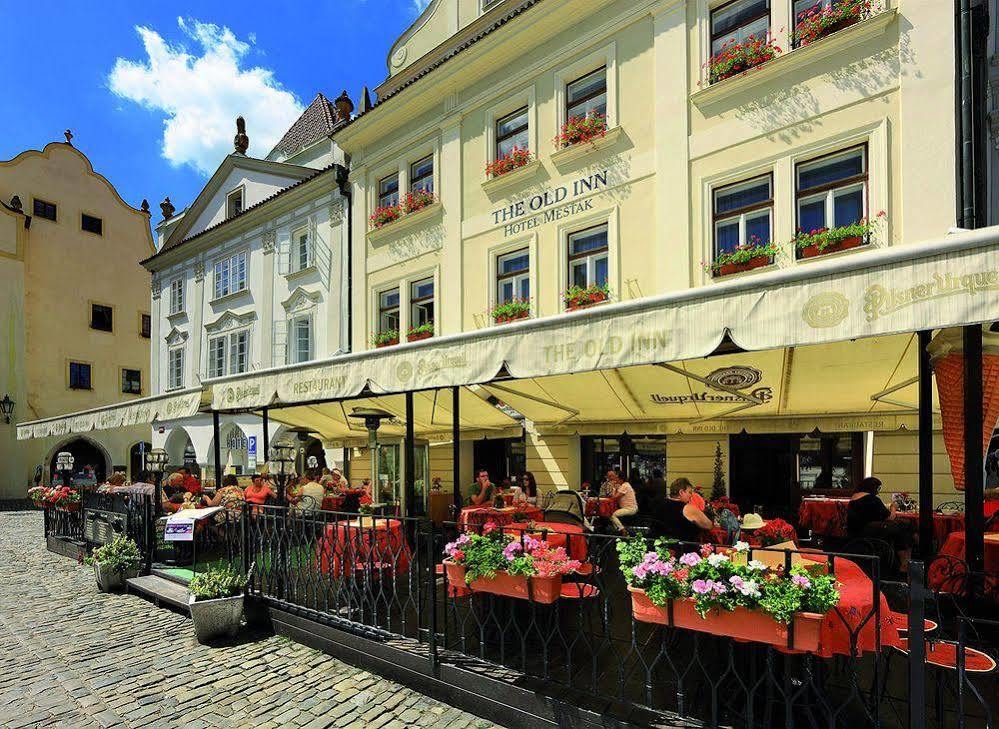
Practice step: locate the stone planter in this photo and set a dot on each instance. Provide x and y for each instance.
(110, 581)
(216, 618)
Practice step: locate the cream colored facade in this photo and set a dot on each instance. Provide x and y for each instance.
(884, 86)
(51, 272)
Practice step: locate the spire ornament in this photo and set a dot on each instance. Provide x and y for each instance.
(167, 207)
(241, 142)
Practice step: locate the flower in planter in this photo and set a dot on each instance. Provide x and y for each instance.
(579, 129)
(385, 215)
(824, 238)
(385, 338)
(512, 160)
(420, 332)
(775, 531)
(511, 310)
(217, 583)
(575, 297)
(742, 254)
(817, 22)
(483, 555)
(118, 556)
(734, 58)
(417, 200)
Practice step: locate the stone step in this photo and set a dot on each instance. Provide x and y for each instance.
(160, 591)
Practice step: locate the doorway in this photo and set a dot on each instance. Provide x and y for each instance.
(137, 459)
(501, 457)
(89, 463)
(635, 457)
(764, 473)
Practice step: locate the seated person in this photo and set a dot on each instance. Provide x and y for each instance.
(627, 504)
(311, 493)
(190, 483)
(867, 516)
(483, 492)
(528, 485)
(259, 491)
(229, 492)
(677, 517)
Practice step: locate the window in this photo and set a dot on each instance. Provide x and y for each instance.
(79, 376)
(832, 190)
(513, 276)
(45, 210)
(421, 302)
(301, 250)
(804, 7)
(145, 325)
(230, 275)
(511, 132)
(90, 224)
(388, 310)
(737, 21)
(588, 257)
(234, 203)
(388, 191)
(421, 175)
(227, 354)
(177, 296)
(131, 382)
(742, 214)
(101, 318)
(175, 368)
(834, 461)
(587, 96)
(300, 343)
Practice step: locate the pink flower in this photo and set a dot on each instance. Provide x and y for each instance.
(701, 587)
(801, 581)
(690, 559)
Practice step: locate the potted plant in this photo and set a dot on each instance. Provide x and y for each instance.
(580, 129)
(39, 496)
(511, 310)
(577, 297)
(832, 240)
(423, 331)
(385, 338)
(775, 531)
(520, 566)
(384, 215)
(818, 22)
(216, 602)
(115, 562)
(737, 57)
(512, 160)
(724, 593)
(417, 200)
(65, 498)
(745, 257)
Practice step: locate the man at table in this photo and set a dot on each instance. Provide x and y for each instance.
(627, 503)
(482, 491)
(310, 493)
(677, 517)
(191, 484)
(867, 516)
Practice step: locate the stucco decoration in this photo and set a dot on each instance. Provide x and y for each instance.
(176, 336)
(199, 272)
(167, 208)
(301, 301)
(269, 241)
(229, 321)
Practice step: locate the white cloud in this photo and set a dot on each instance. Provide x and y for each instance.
(202, 94)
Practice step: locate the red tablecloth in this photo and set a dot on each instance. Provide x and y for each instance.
(943, 524)
(364, 544)
(948, 570)
(601, 506)
(824, 516)
(569, 536)
(334, 502)
(477, 515)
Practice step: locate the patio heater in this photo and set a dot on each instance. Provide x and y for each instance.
(282, 465)
(372, 418)
(156, 463)
(64, 465)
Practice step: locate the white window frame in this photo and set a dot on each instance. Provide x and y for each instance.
(399, 287)
(530, 242)
(241, 191)
(175, 370)
(293, 355)
(433, 172)
(829, 196)
(228, 340)
(744, 216)
(524, 97)
(605, 56)
(411, 303)
(177, 303)
(589, 259)
(224, 283)
(295, 264)
(516, 278)
(609, 217)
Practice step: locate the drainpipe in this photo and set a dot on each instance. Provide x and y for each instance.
(972, 34)
(344, 184)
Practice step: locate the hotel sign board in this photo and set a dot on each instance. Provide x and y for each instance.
(550, 205)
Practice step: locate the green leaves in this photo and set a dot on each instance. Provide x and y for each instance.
(216, 583)
(120, 555)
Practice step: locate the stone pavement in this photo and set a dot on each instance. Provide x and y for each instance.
(73, 657)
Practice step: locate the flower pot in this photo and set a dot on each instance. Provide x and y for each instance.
(417, 336)
(845, 22)
(844, 245)
(513, 317)
(110, 581)
(389, 343)
(728, 269)
(740, 624)
(585, 303)
(216, 618)
(541, 589)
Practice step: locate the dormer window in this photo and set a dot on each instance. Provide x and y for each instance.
(234, 203)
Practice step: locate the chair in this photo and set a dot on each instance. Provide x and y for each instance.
(873, 547)
(950, 507)
(565, 507)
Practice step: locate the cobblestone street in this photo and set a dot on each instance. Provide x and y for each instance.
(74, 657)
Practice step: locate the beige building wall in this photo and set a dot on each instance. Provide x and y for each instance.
(61, 271)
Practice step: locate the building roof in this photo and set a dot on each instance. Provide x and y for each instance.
(316, 122)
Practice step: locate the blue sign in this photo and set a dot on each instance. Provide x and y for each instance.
(251, 446)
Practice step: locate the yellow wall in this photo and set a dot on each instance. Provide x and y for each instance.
(896, 463)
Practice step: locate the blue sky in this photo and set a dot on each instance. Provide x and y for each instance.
(151, 90)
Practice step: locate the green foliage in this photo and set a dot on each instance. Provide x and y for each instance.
(216, 583)
(120, 555)
(718, 475)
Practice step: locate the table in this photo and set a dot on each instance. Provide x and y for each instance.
(601, 506)
(568, 536)
(363, 544)
(943, 524)
(948, 571)
(478, 515)
(334, 502)
(824, 516)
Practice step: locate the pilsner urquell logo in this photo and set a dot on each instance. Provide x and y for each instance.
(881, 301)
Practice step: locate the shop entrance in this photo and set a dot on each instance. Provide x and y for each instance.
(634, 456)
(764, 473)
(502, 457)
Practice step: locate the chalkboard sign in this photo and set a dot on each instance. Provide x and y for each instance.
(100, 526)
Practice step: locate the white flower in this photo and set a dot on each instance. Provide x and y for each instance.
(741, 546)
(749, 588)
(755, 564)
(716, 559)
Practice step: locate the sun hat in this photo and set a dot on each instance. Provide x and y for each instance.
(752, 521)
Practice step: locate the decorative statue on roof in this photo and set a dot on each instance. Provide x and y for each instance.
(167, 207)
(344, 107)
(241, 142)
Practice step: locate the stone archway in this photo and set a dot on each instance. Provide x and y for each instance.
(91, 462)
(137, 459)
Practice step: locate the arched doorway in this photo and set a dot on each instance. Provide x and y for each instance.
(137, 459)
(90, 462)
(179, 448)
(233, 449)
(315, 455)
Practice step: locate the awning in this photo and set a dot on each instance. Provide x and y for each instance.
(907, 288)
(141, 411)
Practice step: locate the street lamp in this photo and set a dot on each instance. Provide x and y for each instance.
(282, 464)
(156, 463)
(372, 418)
(64, 465)
(7, 408)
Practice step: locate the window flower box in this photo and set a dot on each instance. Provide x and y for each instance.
(424, 331)
(576, 297)
(744, 258)
(512, 310)
(833, 240)
(417, 200)
(414, 202)
(813, 250)
(816, 23)
(736, 58)
(513, 160)
(385, 215)
(741, 623)
(545, 590)
(386, 338)
(579, 130)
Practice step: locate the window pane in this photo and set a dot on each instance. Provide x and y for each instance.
(517, 261)
(597, 106)
(422, 168)
(505, 291)
(389, 298)
(812, 215)
(510, 124)
(589, 240)
(422, 289)
(587, 85)
(518, 140)
(388, 191)
(423, 313)
(848, 206)
(726, 236)
(525, 287)
(742, 196)
(830, 170)
(600, 271)
(758, 228)
(578, 273)
(737, 14)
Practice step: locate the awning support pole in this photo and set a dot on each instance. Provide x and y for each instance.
(974, 466)
(218, 449)
(410, 461)
(925, 397)
(456, 448)
(267, 434)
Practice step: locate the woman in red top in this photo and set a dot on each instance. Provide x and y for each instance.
(258, 492)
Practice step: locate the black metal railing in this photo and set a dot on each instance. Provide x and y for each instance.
(66, 524)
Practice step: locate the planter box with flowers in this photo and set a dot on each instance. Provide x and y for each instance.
(581, 136)
(822, 241)
(723, 593)
(519, 566)
(577, 297)
(517, 166)
(736, 58)
(63, 498)
(115, 562)
(512, 310)
(216, 602)
(818, 22)
(744, 258)
(415, 207)
(386, 338)
(424, 331)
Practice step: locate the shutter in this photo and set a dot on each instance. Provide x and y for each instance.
(284, 255)
(279, 343)
(322, 258)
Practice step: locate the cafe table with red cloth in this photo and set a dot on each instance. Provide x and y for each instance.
(603, 506)
(366, 542)
(479, 515)
(824, 516)
(569, 536)
(943, 524)
(334, 502)
(948, 570)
